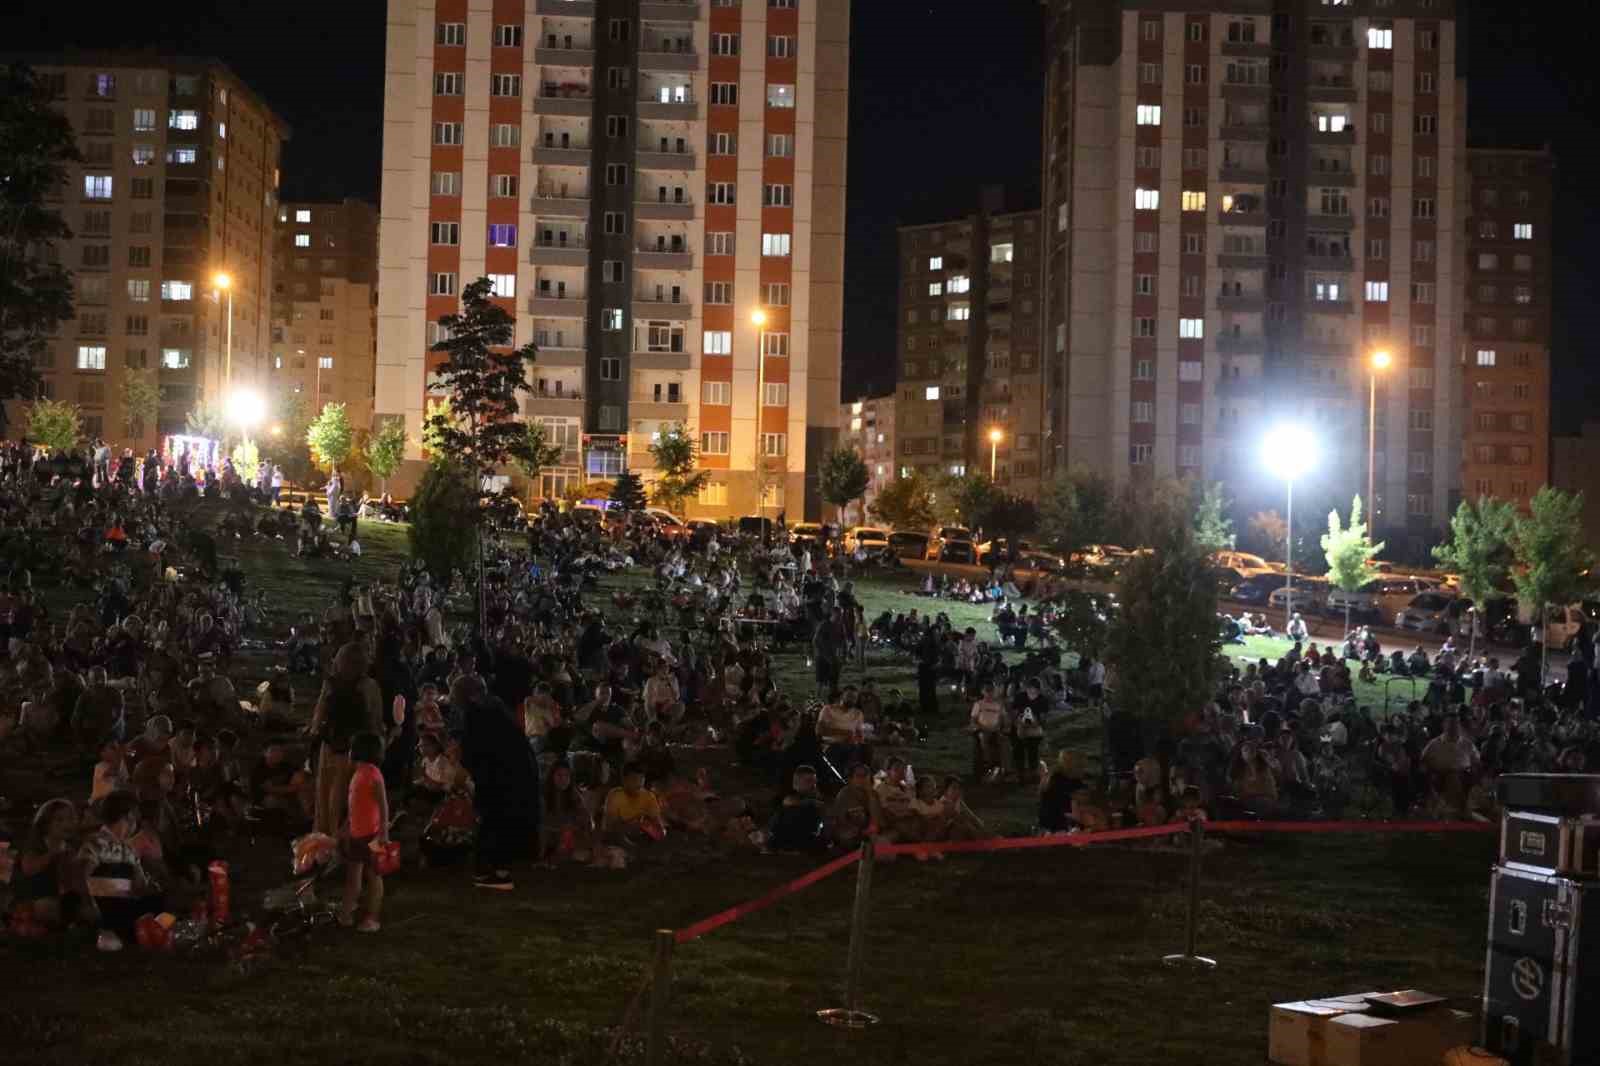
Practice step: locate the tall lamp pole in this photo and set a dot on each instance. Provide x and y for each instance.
(224, 284)
(1289, 452)
(758, 318)
(1380, 361)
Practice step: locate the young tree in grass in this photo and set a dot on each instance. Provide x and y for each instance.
(55, 424)
(331, 436)
(246, 460)
(1075, 511)
(968, 499)
(1553, 562)
(1479, 551)
(1349, 552)
(1164, 640)
(843, 478)
(1212, 525)
(37, 144)
(141, 399)
(444, 516)
(284, 443)
(627, 492)
(678, 480)
(907, 503)
(386, 449)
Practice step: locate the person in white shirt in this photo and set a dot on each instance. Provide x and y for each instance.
(661, 697)
(989, 724)
(1451, 761)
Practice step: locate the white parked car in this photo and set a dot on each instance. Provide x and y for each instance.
(1435, 611)
(664, 515)
(1310, 594)
(1384, 595)
(872, 538)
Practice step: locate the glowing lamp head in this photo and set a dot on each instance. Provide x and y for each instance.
(758, 317)
(246, 408)
(1381, 360)
(222, 281)
(1289, 452)
(996, 435)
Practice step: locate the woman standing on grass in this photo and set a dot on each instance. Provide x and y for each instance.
(350, 703)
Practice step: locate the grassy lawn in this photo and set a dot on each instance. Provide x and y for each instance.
(1048, 956)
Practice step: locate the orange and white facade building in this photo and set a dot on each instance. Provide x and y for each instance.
(657, 191)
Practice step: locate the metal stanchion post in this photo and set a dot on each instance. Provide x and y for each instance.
(660, 991)
(851, 1016)
(1197, 832)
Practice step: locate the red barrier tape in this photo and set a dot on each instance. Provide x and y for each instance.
(733, 914)
(1062, 840)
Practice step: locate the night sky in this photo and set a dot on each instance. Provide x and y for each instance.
(945, 99)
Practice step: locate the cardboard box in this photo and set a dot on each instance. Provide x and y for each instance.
(1367, 1040)
(1297, 1032)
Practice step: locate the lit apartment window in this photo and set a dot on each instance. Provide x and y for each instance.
(775, 244)
(717, 342)
(97, 186)
(780, 96)
(324, 362)
(1194, 201)
(960, 312)
(611, 320)
(174, 358)
(1486, 356)
(936, 288)
(1148, 114)
(1378, 291)
(144, 119)
(183, 120)
(177, 290)
(139, 290)
(931, 392)
(1191, 328)
(91, 357)
(1146, 199)
(1522, 231)
(503, 285)
(502, 235)
(958, 283)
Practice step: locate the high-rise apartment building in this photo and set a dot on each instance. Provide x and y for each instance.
(1242, 201)
(1505, 449)
(656, 190)
(969, 347)
(868, 425)
(324, 307)
(178, 185)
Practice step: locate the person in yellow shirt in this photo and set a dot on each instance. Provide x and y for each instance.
(632, 812)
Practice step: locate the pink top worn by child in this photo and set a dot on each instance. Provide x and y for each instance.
(366, 801)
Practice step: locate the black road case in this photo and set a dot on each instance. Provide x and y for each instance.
(1566, 844)
(1541, 995)
(1553, 793)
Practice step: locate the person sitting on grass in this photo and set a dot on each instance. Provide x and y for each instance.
(111, 772)
(854, 812)
(797, 823)
(961, 823)
(1063, 782)
(632, 813)
(896, 817)
(566, 828)
(115, 884)
(46, 879)
(840, 726)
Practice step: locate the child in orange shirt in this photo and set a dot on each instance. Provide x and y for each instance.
(367, 824)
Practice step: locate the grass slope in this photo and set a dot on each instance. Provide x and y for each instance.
(1048, 956)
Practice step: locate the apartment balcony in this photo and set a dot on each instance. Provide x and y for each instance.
(1343, 51)
(1247, 48)
(573, 253)
(675, 110)
(578, 9)
(668, 59)
(645, 405)
(669, 10)
(662, 259)
(1334, 223)
(1242, 175)
(564, 57)
(1338, 179)
(1329, 261)
(565, 354)
(663, 211)
(1250, 217)
(569, 404)
(662, 311)
(1246, 90)
(1315, 306)
(564, 99)
(567, 306)
(557, 204)
(1244, 131)
(1235, 261)
(1331, 92)
(659, 361)
(1321, 136)
(1242, 385)
(666, 160)
(1240, 301)
(1241, 344)
(561, 157)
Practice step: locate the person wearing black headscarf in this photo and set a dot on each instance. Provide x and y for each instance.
(505, 781)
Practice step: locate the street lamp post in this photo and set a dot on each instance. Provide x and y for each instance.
(1380, 361)
(995, 436)
(225, 284)
(1289, 453)
(758, 318)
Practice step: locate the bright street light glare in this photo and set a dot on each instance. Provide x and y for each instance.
(1381, 360)
(996, 435)
(222, 281)
(1289, 451)
(246, 407)
(759, 317)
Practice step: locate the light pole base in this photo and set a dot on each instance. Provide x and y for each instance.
(845, 1018)
(1190, 962)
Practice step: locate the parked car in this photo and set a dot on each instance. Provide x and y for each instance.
(1255, 590)
(937, 541)
(871, 538)
(588, 512)
(958, 551)
(1242, 563)
(1310, 594)
(1434, 611)
(664, 515)
(806, 532)
(695, 525)
(1382, 596)
(907, 544)
(756, 525)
